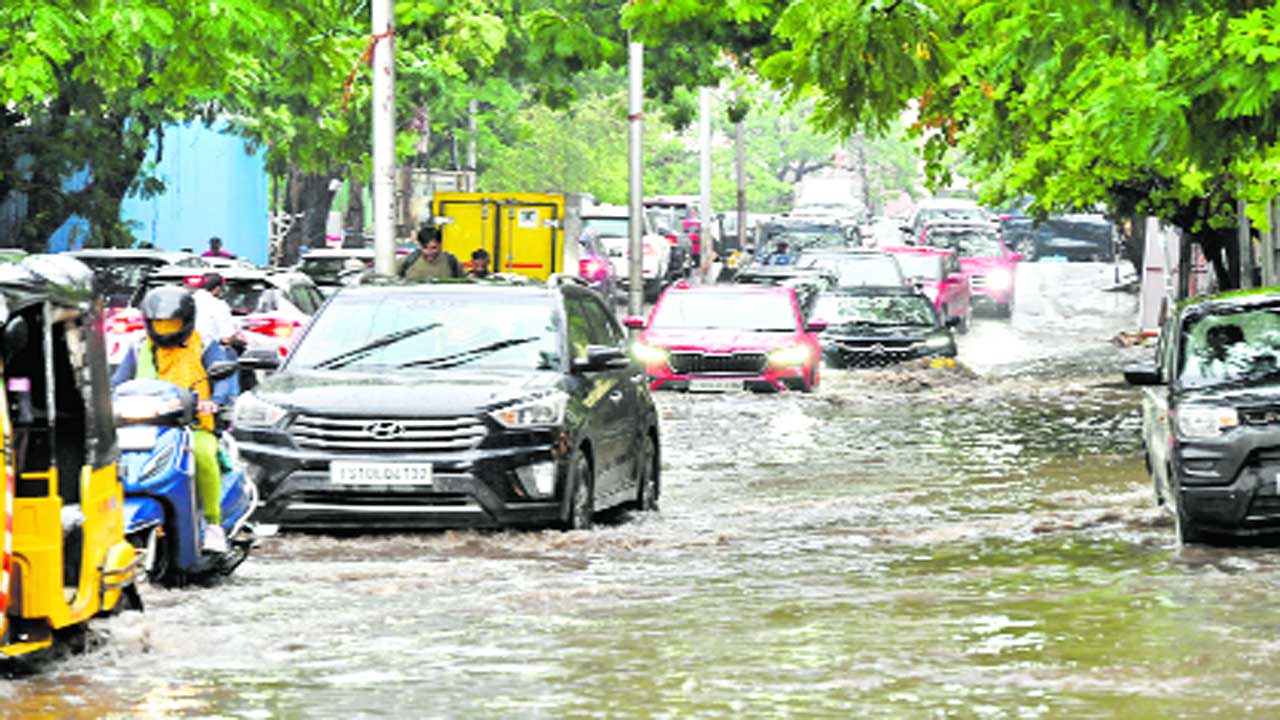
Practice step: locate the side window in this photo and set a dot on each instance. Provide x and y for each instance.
(299, 296)
(602, 327)
(579, 328)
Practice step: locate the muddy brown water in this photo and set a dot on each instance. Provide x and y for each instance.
(909, 543)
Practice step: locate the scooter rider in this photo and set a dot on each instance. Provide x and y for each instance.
(173, 351)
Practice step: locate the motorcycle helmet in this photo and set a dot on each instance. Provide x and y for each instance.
(170, 315)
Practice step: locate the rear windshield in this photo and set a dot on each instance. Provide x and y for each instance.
(857, 270)
(875, 310)
(924, 267)
(407, 330)
(766, 312)
(966, 243)
(116, 279)
(606, 227)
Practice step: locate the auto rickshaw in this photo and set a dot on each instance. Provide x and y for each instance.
(65, 557)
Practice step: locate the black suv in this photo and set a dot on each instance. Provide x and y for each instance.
(451, 405)
(880, 326)
(1211, 415)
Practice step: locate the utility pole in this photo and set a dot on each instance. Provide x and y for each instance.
(384, 137)
(706, 216)
(635, 193)
(473, 109)
(740, 170)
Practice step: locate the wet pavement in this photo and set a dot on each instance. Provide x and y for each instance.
(977, 542)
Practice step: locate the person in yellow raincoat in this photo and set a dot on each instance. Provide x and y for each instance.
(173, 351)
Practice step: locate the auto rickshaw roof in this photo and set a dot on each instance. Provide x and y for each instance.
(30, 279)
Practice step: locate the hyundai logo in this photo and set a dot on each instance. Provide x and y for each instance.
(385, 429)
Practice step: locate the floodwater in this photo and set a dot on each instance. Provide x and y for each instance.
(978, 542)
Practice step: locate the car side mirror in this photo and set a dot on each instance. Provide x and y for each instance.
(635, 322)
(222, 370)
(602, 357)
(953, 322)
(1145, 373)
(816, 326)
(16, 336)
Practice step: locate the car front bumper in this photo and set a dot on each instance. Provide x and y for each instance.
(774, 380)
(475, 488)
(1231, 486)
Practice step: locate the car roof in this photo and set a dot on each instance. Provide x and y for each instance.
(917, 250)
(129, 254)
(606, 211)
(338, 253)
(274, 277)
(947, 204)
(730, 289)
(478, 288)
(875, 290)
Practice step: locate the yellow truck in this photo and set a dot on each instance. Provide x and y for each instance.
(530, 234)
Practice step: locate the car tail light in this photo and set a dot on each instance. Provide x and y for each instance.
(649, 249)
(272, 327)
(672, 239)
(695, 239)
(591, 268)
(194, 281)
(123, 323)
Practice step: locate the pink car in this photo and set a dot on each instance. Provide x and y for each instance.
(990, 265)
(940, 277)
(728, 337)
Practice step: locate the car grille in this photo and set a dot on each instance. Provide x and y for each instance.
(690, 363)
(1265, 506)
(875, 354)
(977, 282)
(400, 434)
(1260, 416)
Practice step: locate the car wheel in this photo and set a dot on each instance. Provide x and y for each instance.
(1187, 531)
(811, 379)
(581, 501)
(648, 482)
(966, 321)
(1004, 310)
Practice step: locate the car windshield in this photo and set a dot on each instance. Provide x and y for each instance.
(856, 270)
(875, 310)
(766, 312)
(954, 213)
(364, 331)
(805, 239)
(117, 279)
(920, 265)
(606, 226)
(966, 243)
(1231, 346)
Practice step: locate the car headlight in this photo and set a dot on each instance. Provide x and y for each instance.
(936, 342)
(648, 354)
(789, 356)
(254, 411)
(1205, 421)
(544, 411)
(1000, 280)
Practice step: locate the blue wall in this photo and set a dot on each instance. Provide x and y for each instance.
(213, 186)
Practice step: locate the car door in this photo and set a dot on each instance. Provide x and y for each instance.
(608, 399)
(955, 286)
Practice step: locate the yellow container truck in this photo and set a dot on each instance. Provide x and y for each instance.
(530, 234)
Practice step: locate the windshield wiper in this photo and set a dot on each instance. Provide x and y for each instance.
(360, 353)
(466, 356)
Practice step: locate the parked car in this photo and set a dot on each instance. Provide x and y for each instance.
(447, 405)
(938, 274)
(728, 337)
(854, 267)
(879, 326)
(610, 224)
(1211, 415)
(680, 218)
(992, 268)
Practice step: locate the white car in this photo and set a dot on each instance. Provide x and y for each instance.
(610, 224)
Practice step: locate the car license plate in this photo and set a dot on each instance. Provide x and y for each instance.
(136, 437)
(704, 385)
(349, 473)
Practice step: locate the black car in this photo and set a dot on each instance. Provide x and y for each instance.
(117, 273)
(1211, 415)
(449, 405)
(880, 326)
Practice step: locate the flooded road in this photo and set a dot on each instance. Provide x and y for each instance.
(977, 542)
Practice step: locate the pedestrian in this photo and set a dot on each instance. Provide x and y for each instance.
(429, 261)
(479, 264)
(172, 350)
(215, 249)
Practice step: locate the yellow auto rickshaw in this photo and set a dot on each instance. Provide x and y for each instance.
(65, 557)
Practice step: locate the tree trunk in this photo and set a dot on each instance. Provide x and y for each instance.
(308, 197)
(354, 221)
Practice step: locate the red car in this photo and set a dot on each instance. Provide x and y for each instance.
(728, 337)
(939, 276)
(992, 268)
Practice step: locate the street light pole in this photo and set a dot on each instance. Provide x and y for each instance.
(706, 216)
(384, 137)
(635, 194)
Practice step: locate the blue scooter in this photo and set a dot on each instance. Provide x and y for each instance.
(157, 466)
